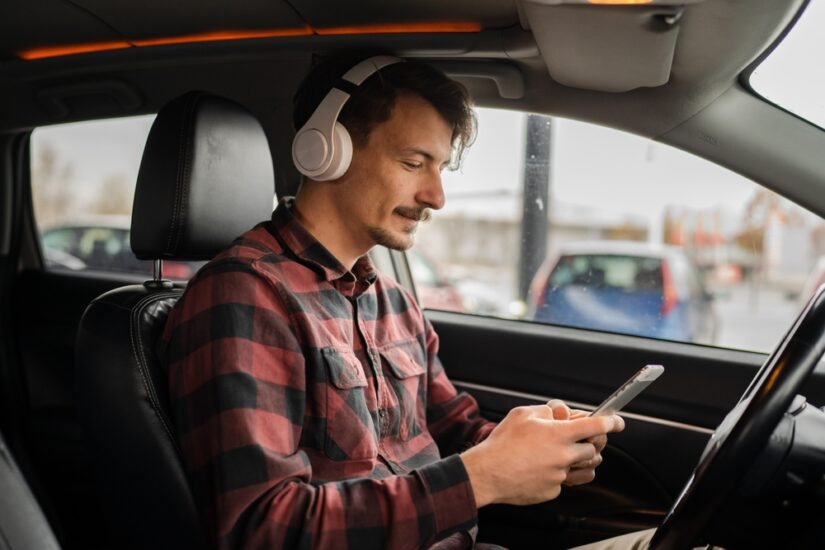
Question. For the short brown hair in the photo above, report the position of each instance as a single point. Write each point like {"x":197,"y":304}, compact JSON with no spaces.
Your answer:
{"x":373,"y":101}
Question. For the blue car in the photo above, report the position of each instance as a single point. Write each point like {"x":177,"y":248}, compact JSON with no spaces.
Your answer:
{"x":627,"y":287}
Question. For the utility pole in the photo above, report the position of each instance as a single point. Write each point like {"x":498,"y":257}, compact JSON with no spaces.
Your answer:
{"x":536,"y":192}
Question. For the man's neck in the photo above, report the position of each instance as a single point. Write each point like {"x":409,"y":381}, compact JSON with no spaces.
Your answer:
{"x":319,"y":215}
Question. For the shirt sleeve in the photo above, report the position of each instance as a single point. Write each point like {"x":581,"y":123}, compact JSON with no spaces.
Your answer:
{"x":454,"y":418}
{"x":238,"y":391}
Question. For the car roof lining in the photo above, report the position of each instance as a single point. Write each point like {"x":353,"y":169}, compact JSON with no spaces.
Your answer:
{"x":761,"y":142}
{"x":717,"y":40}
{"x":45,"y":23}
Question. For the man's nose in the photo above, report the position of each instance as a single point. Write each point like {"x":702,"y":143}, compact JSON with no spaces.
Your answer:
{"x":432,"y":192}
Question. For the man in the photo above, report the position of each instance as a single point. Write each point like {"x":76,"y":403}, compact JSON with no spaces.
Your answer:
{"x":310,"y":404}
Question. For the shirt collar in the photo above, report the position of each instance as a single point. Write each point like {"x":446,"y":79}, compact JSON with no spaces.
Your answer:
{"x":294,"y":237}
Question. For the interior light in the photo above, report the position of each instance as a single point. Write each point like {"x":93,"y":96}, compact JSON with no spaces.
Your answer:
{"x":401,"y":28}
{"x":218,"y":36}
{"x":71,"y":49}
{"x":619,"y":2}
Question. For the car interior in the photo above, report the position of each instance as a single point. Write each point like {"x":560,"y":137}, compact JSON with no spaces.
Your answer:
{"x":722,"y":450}
{"x":116,"y":366}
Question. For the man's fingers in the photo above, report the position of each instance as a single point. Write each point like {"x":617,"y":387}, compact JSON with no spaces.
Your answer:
{"x":584,"y":428}
{"x":580,"y":477}
{"x":598,"y":441}
{"x":590,"y":463}
{"x":560,"y":410}
{"x":582,"y":453}
{"x":618,"y":427}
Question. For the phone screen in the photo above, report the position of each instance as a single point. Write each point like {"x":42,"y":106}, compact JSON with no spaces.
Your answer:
{"x":630,"y":389}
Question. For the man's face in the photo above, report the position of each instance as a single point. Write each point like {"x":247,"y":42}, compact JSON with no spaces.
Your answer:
{"x":395,"y":178}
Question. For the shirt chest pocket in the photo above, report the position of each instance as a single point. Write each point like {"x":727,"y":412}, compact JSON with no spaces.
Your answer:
{"x":350,"y":434}
{"x":407,"y":379}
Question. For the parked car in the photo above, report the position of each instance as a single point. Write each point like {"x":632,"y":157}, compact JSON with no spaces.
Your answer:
{"x":434,"y":290}
{"x":57,"y":259}
{"x":103,"y":245}
{"x":626,"y":287}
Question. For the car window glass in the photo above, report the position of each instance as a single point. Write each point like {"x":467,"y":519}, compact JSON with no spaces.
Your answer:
{"x":788,"y":76}
{"x":422,"y":270}
{"x":83,"y":181}
{"x":621,"y":235}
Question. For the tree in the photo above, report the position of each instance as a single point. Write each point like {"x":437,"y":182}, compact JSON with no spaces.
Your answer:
{"x":763,"y":206}
{"x":115,"y":196}
{"x":52,"y":193}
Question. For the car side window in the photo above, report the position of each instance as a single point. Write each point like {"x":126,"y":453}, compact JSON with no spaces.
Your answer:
{"x":83,"y":181}
{"x":561,"y":222}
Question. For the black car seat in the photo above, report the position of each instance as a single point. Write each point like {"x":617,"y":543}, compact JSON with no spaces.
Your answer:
{"x":22,"y":524}
{"x":205,"y":178}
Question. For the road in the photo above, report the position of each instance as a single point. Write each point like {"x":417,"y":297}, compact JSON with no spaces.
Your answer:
{"x":754,"y":319}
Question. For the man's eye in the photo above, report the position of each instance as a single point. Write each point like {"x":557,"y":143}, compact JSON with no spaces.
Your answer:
{"x":411,"y":165}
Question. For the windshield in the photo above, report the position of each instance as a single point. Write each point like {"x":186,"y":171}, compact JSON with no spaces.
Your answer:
{"x":789,"y":76}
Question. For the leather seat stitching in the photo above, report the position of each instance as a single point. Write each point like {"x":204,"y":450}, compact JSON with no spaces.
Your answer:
{"x":181,"y":177}
{"x":140,"y":359}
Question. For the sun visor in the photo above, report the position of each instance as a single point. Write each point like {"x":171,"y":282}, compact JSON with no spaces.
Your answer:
{"x":608,"y":48}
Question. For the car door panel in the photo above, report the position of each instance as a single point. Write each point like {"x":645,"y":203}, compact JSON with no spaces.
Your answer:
{"x":48,"y":306}
{"x":633,"y":488}
{"x":665,"y":470}
{"x":699,"y":386}
{"x":504,"y":364}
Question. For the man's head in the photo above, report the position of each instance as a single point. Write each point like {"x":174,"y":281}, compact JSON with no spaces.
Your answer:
{"x":371,"y":103}
{"x":407,"y":122}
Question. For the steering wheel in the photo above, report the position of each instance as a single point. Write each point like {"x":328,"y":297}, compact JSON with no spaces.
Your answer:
{"x":745,"y":430}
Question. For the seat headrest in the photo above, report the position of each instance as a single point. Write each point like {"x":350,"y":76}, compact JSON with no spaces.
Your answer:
{"x":205,"y":178}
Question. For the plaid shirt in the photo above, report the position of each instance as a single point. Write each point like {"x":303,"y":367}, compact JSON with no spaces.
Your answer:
{"x":310,"y":405}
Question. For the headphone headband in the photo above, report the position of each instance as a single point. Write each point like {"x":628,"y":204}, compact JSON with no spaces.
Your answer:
{"x":322,"y":148}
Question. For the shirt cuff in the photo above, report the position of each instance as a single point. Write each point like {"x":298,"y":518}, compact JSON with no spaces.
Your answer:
{"x":453,"y":501}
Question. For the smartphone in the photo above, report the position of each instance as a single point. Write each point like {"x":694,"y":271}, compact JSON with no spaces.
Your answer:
{"x":630,"y":389}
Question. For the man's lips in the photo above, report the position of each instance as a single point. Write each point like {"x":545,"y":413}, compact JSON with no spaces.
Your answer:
{"x":414,"y":214}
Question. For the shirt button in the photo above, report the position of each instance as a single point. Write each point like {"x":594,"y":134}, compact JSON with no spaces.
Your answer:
{"x":382,"y":422}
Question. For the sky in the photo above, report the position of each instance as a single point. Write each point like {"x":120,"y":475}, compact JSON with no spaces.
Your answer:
{"x":792,"y":75}
{"x":593,"y":169}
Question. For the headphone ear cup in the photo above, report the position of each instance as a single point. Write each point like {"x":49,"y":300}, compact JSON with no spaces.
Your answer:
{"x":341,"y":153}
{"x":310,"y":151}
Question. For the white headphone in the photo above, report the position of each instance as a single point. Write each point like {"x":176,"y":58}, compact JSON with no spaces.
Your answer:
{"x":322,"y":148}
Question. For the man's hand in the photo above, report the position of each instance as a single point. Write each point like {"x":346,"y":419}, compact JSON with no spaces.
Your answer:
{"x":530,"y":453}
{"x":584,"y":471}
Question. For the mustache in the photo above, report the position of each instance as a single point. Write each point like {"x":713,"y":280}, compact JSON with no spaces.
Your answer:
{"x":419,"y":214}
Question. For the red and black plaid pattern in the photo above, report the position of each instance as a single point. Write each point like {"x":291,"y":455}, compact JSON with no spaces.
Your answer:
{"x":311,"y":408}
